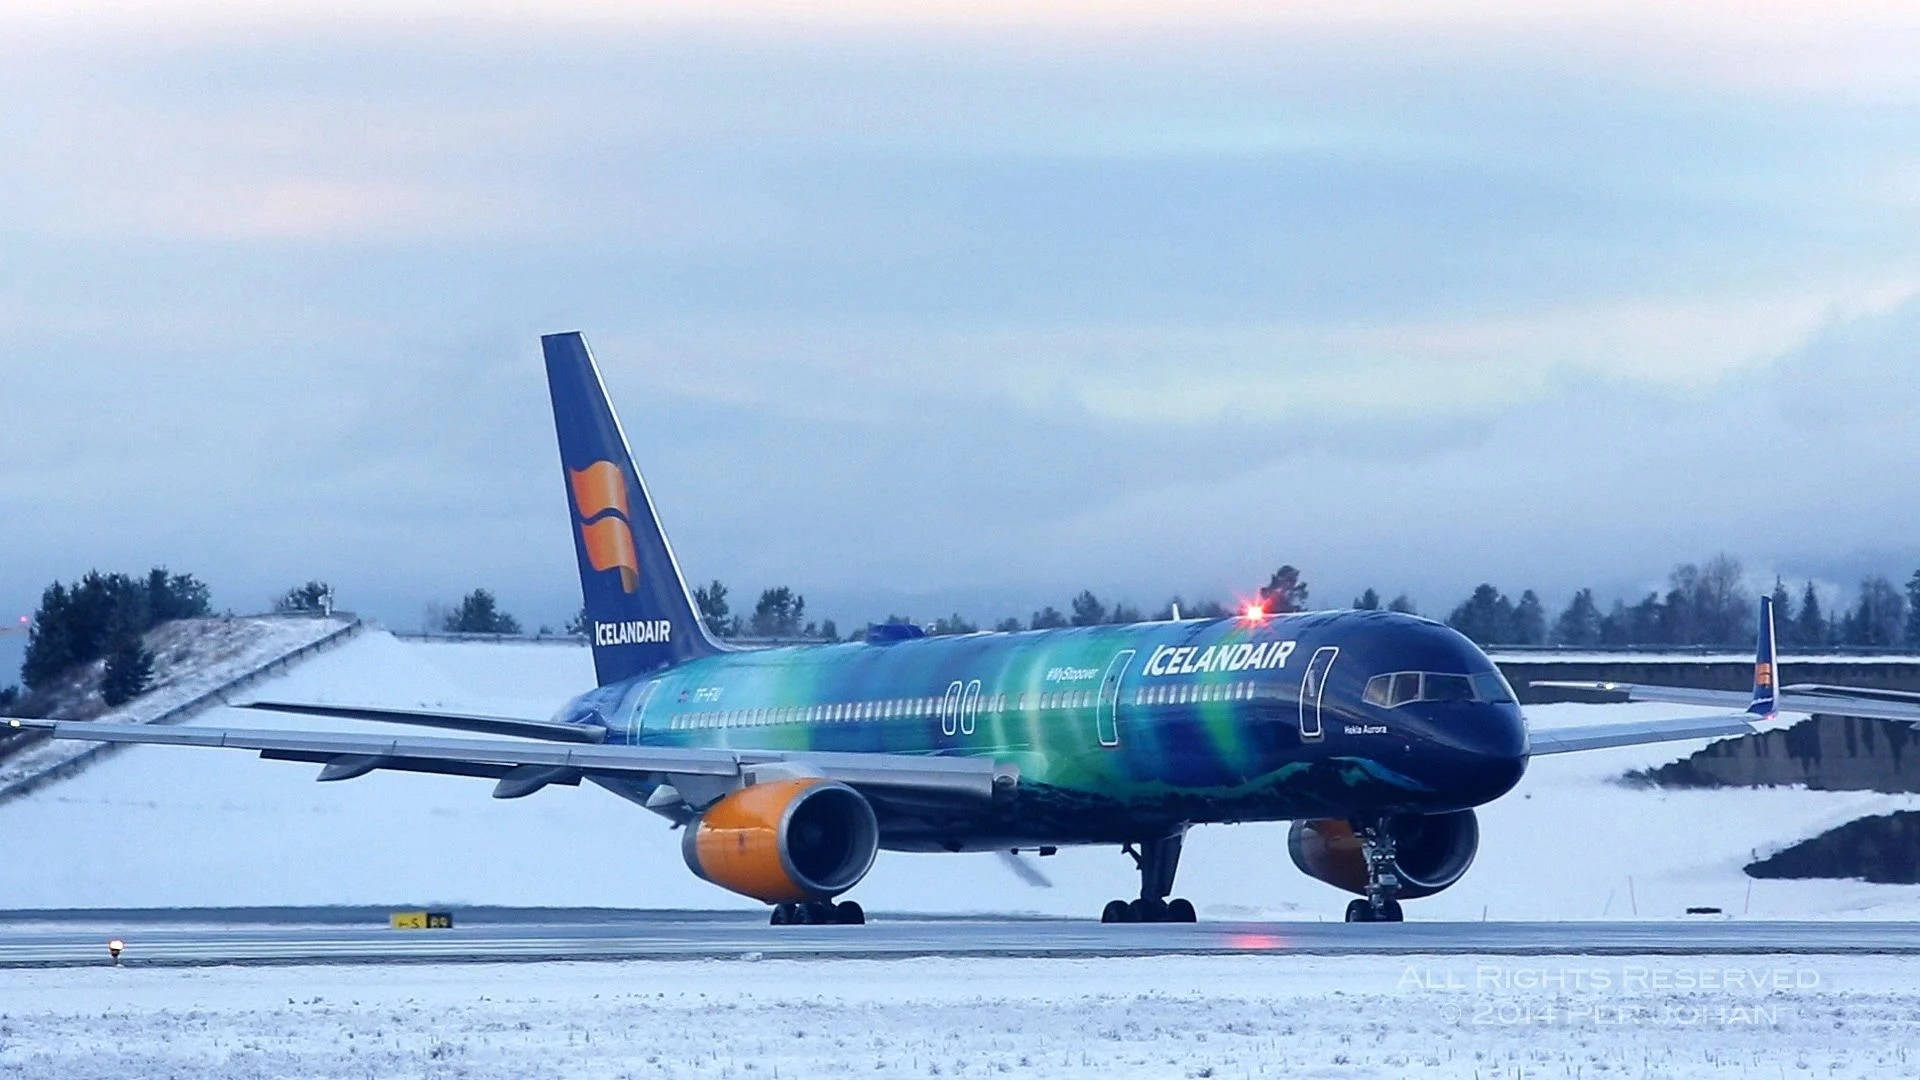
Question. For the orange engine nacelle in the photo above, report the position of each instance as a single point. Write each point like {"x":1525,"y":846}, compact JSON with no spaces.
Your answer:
{"x":785,"y":841}
{"x":1431,"y":852}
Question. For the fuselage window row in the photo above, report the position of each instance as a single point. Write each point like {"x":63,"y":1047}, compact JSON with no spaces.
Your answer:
{"x":927,"y":707}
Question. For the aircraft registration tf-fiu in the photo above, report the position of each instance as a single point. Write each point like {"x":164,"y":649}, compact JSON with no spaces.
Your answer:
{"x":1375,"y":733}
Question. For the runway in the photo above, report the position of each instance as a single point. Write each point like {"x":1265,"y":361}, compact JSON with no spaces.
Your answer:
{"x":361,"y":936}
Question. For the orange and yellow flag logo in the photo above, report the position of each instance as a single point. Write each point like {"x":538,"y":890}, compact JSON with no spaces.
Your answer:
{"x":600,"y":500}
{"x":1763,"y":674}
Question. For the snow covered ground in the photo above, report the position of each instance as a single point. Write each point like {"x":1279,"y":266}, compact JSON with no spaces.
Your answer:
{"x":1838,"y":1018}
{"x":169,"y":826}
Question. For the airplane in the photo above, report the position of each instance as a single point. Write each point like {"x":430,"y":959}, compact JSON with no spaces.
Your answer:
{"x":1375,"y":733}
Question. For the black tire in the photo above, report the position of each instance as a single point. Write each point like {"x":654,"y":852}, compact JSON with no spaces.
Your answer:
{"x":782,"y":915}
{"x":1359,"y":911}
{"x":848,"y":913}
{"x":1390,"y":912}
{"x":1181,"y":911}
{"x":1116,"y":911}
{"x":1148,"y":911}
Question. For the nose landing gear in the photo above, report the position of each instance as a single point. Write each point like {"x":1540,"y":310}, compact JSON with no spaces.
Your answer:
{"x":1383,"y":883}
{"x":1157,"y":861}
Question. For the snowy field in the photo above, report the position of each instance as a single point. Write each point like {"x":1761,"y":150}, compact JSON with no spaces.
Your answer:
{"x":1165,"y":1017}
{"x":170,"y":826}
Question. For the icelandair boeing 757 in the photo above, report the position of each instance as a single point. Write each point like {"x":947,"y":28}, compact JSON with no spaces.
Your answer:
{"x":789,"y":769}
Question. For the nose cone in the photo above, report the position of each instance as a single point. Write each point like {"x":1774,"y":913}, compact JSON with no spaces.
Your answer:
{"x":1496,"y":751}
{"x":1476,"y":752}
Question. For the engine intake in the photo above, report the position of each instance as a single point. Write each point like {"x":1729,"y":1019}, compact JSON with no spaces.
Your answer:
{"x":785,"y":841}
{"x":1431,"y":851}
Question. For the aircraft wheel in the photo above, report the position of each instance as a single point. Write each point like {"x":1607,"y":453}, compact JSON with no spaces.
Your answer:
{"x":1116,"y":911}
{"x":1390,"y":912}
{"x":782,"y":915}
{"x":1180,"y":911}
{"x":1145,"y":910}
{"x":848,"y":913}
{"x":1359,"y":911}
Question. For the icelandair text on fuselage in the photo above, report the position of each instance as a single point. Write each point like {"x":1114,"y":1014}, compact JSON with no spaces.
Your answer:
{"x":645,"y":632}
{"x":1246,"y":656}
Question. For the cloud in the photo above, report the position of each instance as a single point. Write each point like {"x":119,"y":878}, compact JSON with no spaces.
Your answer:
{"x":1002,"y":298}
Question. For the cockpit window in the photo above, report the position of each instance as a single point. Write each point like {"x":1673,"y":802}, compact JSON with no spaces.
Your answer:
{"x":1403,"y":687}
{"x":1492,"y":686}
{"x":1406,"y":687}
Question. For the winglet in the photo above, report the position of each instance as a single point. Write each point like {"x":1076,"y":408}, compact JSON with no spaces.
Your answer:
{"x":1766,"y":669}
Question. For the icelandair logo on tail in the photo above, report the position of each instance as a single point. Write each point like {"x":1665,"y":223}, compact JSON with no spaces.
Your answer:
{"x":644,"y":632}
{"x":600,"y":500}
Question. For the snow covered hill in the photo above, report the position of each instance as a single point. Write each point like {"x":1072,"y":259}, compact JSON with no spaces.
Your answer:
{"x":168,"y":826}
{"x":195,"y":661}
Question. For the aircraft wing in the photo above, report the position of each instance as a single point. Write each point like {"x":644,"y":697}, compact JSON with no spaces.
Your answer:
{"x":523,"y":767}
{"x":486,"y":725}
{"x":1566,"y":740}
{"x":1837,"y":701}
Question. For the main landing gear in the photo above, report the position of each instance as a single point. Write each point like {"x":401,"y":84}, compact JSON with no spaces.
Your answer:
{"x":820,"y":913}
{"x":1157,"y":860}
{"x":1376,"y":843}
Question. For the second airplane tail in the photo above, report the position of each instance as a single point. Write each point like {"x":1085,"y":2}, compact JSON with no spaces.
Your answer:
{"x":640,"y":616}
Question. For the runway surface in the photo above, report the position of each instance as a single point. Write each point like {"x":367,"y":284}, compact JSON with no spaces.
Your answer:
{"x":296,"y":936}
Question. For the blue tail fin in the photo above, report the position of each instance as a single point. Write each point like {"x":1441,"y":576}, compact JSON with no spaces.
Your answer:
{"x":640,"y":616}
{"x":1766,"y":665}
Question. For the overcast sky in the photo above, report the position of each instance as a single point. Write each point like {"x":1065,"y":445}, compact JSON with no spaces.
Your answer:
{"x":968,"y":307}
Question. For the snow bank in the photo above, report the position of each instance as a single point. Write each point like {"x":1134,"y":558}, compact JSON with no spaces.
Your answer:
{"x":1842,"y":1018}
{"x":172,"y":826}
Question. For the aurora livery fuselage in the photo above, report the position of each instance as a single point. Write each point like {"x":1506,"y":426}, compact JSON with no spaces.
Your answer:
{"x":1117,"y":732}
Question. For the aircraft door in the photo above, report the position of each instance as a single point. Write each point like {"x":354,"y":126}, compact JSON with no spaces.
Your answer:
{"x":1107,"y":708}
{"x":1313,"y":686}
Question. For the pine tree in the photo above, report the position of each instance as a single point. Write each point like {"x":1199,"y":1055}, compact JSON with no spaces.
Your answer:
{"x":712,"y":602}
{"x":1403,"y":604}
{"x":1529,"y":620}
{"x":1284,"y":592}
{"x":1367,"y":601}
{"x":1047,"y":618}
{"x":479,"y":613}
{"x":1811,"y":630}
{"x":1580,"y":623}
{"x":1783,"y":626}
{"x":129,"y":670}
{"x":778,"y":613}
{"x":1088,"y":610}
{"x":954,"y":624}
{"x":1125,"y":613}
{"x":313,"y":598}
{"x":1486,"y":617}
{"x":1913,"y":609}
{"x":1009,"y":625}
{"x":9,"y":697}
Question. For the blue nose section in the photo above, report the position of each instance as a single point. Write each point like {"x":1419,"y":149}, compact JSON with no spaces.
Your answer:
{"x":1474,"y":753}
